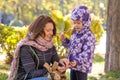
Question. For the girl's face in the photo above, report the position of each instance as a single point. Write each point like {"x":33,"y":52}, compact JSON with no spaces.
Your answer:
{"x":77,"y":25}
{"x":48,"y":30}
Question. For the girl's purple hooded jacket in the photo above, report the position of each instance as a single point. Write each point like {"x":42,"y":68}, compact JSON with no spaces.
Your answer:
{"x":82,"y":43}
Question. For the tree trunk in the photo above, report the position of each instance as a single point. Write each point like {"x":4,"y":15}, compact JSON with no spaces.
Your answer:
{"x":112,"y":57}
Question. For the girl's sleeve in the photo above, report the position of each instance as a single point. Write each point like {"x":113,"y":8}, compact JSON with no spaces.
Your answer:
{"x":65,"y":43}
{"x":85,"y":58}
{"x":29,"y":64}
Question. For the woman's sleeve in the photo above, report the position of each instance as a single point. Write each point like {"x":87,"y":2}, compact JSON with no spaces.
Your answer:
{"x":65,"y":43}
{"x":29,"y":64}
{"x":85,"y":58}
{"x":54,"y":55}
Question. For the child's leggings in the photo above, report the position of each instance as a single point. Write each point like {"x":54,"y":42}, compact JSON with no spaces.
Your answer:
{"x":76,"y":75}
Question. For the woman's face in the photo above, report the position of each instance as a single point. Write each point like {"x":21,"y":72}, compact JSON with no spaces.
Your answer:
{"x":48,"y":30}
{"x":77,"y":25}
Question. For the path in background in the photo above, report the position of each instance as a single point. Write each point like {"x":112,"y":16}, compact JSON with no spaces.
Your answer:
{"x":101,"y":47}
{"x":98,"y":68}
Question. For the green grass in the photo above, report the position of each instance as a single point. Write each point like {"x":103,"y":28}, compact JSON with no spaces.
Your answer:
{"x":92,"y":78}
{"x":113,"y":75}
{"x":68,"y":74}
{"x":4,"y":69}
{"x":3,"y":76}
{"x":98,"y":58}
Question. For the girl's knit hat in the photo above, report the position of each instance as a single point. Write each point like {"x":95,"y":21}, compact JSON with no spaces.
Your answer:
{"x":82,"y":13}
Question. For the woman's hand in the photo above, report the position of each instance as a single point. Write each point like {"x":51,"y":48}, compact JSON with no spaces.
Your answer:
{"x":64,"y":62}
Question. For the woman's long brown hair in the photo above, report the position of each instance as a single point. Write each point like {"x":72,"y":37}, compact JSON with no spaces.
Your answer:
{"x":36,"y":28}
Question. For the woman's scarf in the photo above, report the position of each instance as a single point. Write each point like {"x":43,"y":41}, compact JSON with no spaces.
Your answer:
{"x":39,"y":43}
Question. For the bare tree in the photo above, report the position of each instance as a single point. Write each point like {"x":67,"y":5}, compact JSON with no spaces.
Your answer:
{"x":112,"y":57}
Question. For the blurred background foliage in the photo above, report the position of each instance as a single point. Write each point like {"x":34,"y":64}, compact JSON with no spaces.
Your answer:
{"x":27,"y":10}
{"x":9,"y":37}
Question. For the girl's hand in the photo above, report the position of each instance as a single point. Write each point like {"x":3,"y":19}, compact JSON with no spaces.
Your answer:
{"x":64,"y":62}
{"x":62,"y":37}
{"x":72,"y":64}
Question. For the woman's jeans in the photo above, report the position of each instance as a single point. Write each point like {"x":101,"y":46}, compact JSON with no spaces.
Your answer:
{"x":40,"y":78}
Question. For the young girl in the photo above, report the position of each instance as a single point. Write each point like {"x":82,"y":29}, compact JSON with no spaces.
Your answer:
{"x":81,"y":44}
{"x":34,"y":51}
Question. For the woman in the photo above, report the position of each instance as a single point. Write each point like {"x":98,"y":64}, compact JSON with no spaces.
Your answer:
{"x":34,"y":51}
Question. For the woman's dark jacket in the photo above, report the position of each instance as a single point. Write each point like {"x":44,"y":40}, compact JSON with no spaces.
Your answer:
{"x":28,"y":62}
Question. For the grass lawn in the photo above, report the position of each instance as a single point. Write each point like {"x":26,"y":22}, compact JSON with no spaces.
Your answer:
{"x":4,"y":70}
